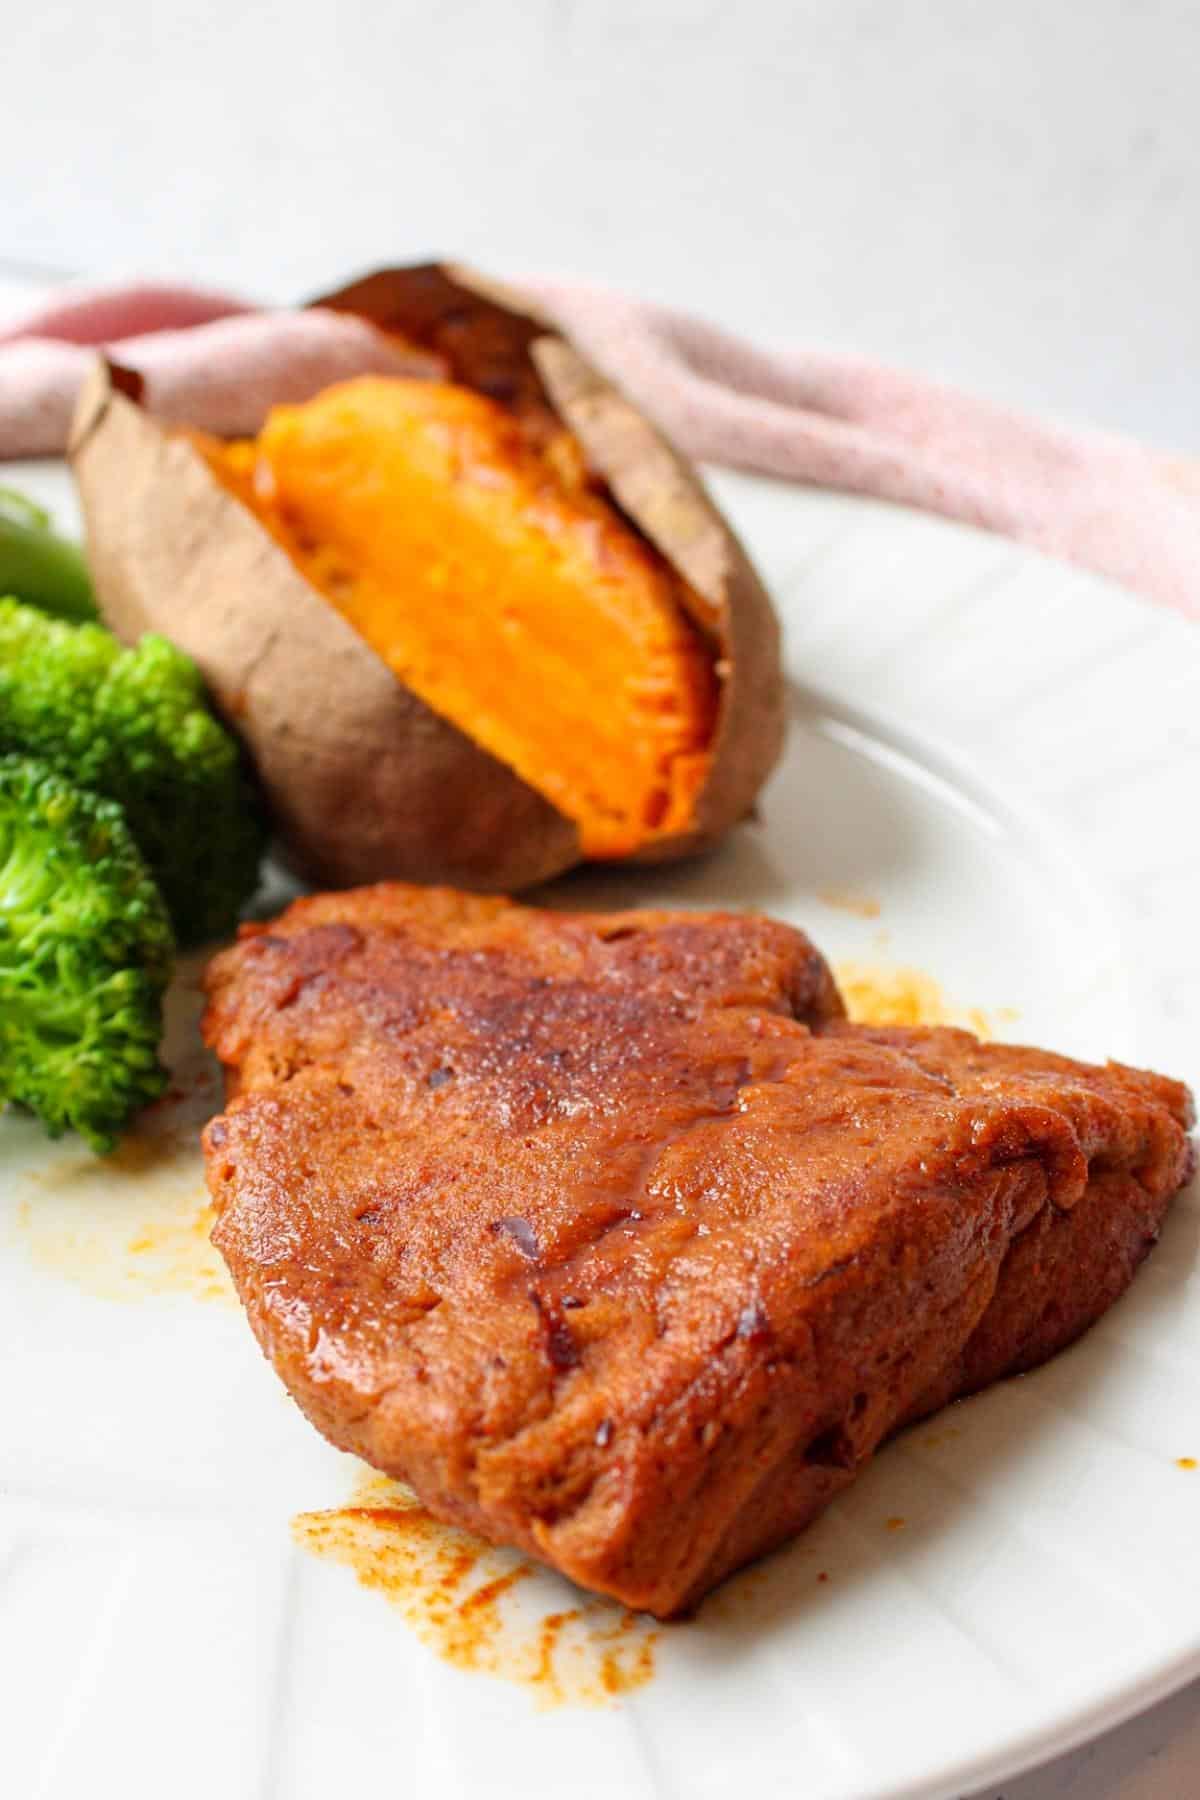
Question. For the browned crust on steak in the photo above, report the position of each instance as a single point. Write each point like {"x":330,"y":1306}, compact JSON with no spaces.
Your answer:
{"x":608,"y":1233}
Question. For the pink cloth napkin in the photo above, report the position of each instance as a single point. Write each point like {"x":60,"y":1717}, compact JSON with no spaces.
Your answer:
{"x":1091,"y":497}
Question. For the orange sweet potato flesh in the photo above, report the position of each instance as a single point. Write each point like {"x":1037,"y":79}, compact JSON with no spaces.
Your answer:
{"x":502,"y":588}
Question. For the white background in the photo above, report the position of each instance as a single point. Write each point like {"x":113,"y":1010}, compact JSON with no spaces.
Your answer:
{"x":1004,"y":194}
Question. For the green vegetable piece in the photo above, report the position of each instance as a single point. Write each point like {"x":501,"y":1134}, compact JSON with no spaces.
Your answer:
{"x":133,"y":725}
{"x":85,"y":955}
{"x":22,"y":510}
{"x":39,"y":566}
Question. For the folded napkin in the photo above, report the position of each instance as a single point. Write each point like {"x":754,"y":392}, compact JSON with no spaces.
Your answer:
{"x":1091,"y":497}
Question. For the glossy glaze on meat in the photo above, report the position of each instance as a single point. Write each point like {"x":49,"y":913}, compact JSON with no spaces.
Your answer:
{"x":614,"y":1239}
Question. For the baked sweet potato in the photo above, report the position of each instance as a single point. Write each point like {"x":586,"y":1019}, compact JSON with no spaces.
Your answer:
{"x":472,"y":629}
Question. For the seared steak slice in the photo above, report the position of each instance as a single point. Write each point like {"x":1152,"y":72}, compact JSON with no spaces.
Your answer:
{"x":609,"y":1235}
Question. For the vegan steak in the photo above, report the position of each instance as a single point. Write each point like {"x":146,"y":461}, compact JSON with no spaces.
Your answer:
{"x":611,"y":1236}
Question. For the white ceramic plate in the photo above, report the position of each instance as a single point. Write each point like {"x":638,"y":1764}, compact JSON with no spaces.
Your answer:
{"x":1004,"y":757}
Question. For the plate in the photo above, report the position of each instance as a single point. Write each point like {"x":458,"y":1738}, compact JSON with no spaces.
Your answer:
{"x":991,"y":777}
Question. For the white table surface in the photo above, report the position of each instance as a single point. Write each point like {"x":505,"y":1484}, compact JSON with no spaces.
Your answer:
{"x":1006,"y":196}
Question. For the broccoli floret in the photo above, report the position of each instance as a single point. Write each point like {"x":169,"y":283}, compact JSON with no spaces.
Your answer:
{"x":85,"y":955}
{"x":133,"y":726}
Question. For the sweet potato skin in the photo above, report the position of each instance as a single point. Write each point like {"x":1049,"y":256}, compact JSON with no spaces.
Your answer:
{"x":365,"y":781}
{"x":533,"y":619}
{"x":489,"y":340}
{"x":660,"y":490}
{"x":360,"y":776}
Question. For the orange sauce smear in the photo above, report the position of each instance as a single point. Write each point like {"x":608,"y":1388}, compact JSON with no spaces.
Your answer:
{"x":945,"y":1434}
{"x":847,"y":900}
{"x":487,"y":1610}
{"x":122,"y":1240}
{"x":881,"y":994}
{"x":134,"y":1224}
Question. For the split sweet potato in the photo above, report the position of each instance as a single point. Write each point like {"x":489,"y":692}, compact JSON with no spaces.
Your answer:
{"x":474,"y":628}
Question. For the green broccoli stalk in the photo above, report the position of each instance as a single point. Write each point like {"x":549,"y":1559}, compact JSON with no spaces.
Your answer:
{"x":85,"y":955}
{"x":39,"y":566}
{"x":133,"y":725}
